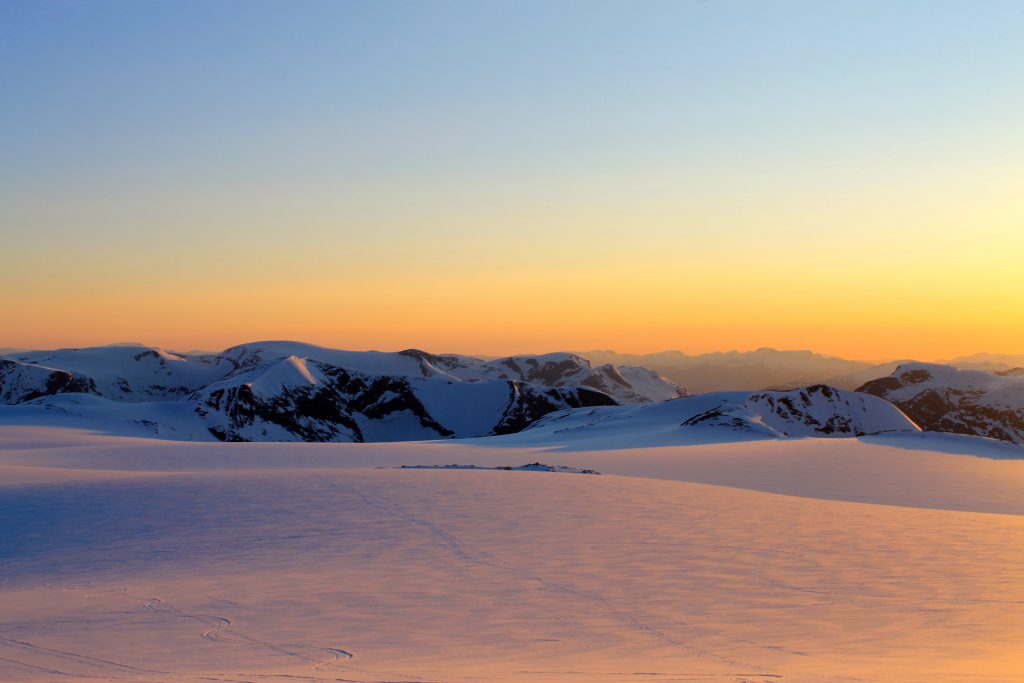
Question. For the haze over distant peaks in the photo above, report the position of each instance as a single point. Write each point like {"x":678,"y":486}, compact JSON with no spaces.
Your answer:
{"x":742,"y":370}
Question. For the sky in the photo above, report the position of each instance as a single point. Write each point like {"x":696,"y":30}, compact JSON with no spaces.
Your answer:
{"x":509,"y":177}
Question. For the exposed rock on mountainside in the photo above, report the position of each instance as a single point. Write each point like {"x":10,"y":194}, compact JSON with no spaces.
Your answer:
{"x":553,"y":370}
{"x":129,"y":373}
{"x":816,"y":411}
{"x":287,"y":391}
{"x":20,"y":382}
{"x":627,"y":384}
{"x":296,"y":399}
{"x":943,"y":399}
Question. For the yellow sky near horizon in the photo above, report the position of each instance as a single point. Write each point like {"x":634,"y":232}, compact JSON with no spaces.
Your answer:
{"x":933,"y":291}
{"x":846,"y":178}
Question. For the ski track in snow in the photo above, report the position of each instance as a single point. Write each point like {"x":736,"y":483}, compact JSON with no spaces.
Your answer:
{"x":72,"y":657}
{"x":218,"y":625}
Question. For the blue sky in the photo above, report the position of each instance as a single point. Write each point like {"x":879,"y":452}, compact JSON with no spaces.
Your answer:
{"x":404,"y":132}
{"x":384,"y":87}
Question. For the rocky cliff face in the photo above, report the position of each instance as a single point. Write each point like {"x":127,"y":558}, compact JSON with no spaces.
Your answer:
{"x":20,"y":382}
{"x":301,"y":400}
{"x":943,"y":399}
{"x":814,"y":411}
{"x":262,"y":392}
{"x":817,"y":410}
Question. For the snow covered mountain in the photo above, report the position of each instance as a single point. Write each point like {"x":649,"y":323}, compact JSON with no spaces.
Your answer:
{"x":815,"y":411}
{"x":140,"y":373}
{"x":625,"y":384}
{"x":300,"y":399}
{"x":20,"y":382}
{"x":741,"y":370}
{"x":944,"y":399}
{"x":129,"y":373}
{"x":288,"y":391}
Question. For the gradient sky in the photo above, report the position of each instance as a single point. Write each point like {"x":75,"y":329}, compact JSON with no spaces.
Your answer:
{"x":498,"y":177}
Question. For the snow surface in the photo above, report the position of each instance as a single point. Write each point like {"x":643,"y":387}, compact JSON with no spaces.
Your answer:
{"x":888,"y":558}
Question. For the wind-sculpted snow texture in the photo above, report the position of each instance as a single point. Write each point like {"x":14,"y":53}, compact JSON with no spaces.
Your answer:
{"x":943,"y":399}
{"x":148,"y":561}
{"x":288,"y":391}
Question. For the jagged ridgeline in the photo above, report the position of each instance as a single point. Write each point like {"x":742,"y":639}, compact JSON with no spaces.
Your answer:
{"x":942,"y":398}
{"x":288,"y":391}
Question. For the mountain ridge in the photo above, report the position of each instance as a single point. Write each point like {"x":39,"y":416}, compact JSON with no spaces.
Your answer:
{"x":283,"y":391}
{"x":947,"y":399}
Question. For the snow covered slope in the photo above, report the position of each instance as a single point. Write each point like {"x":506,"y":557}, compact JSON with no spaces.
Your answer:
{"x":141,"y":373}
{"x":943,"y":399}
{"x":129,"y":373}
{"x":20,"y":382}
{"x":296,"y":399}
{"x":146,"y":561}
{"x":339,"y":396}
{"x":818,"y":411}
{"x":290,"y":391}
{"x":624,"y":384}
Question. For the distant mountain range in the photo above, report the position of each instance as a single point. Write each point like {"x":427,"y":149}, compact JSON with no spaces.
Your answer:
{"x":290,"y":391}
{"x":768,"y":368}
{"x":287,"y":391}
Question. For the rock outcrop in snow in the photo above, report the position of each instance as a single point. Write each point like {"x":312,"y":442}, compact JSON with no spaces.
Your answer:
{"x":941,"y":398}
{"x":129,"y":373}
{"x":288,"y":391}
{"x":815,"y":411}
{"x":20,"y":382}
{"x":302,"y":400}
{"x":625,"y":384}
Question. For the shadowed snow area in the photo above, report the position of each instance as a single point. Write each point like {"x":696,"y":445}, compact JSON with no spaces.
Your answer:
{"x":143,"y":560}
